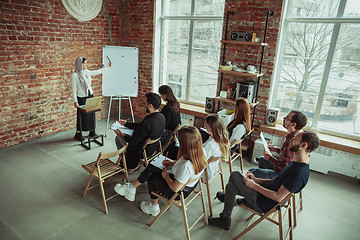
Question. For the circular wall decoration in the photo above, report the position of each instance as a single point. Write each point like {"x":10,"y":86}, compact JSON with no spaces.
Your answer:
{"x":83,"y":10}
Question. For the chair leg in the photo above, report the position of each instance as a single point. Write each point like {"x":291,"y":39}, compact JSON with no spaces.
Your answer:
{"x":290,"y":222}
{"x":87,"y":185}
{"x":301,"y":200}
{"x":166,"y":207}
{"x":103,"y":195}
{"x":294,"y":209}
{"x":280,"y":224}
{"x":241,"y":161}
{"x":203,"y":205}
{"x":230,"y":166}
{"x":183,"y":208}
{"x":222,"y":178}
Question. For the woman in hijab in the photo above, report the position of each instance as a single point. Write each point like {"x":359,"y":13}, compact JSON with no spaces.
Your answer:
{"x":81,"y":90}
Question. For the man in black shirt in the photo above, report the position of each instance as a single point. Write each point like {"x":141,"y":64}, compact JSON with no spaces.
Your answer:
{"x":152,"y":126}
{"x":264,"y":194}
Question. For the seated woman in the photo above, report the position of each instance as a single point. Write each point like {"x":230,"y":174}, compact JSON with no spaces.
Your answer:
{"x":171,"y":111}
{"x":217,"y":144}
{"x":190,"y":165}
{"x":240,"y":126}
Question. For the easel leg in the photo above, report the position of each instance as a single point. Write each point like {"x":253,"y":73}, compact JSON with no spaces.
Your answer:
{"x":132,"y":113}
{"x":108,"y":117}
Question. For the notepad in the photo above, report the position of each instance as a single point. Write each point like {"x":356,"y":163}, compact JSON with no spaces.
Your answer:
{"x":116,"y":125}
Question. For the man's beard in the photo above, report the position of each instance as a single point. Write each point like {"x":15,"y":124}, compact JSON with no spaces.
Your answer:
{"x":294,"y":148}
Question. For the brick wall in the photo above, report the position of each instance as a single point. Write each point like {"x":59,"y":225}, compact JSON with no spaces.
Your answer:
{"x":39,"y":44}
{"x":40,"y":41}
{"x":250,"y":16}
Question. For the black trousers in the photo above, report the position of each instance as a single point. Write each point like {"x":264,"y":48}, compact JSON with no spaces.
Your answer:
{"x":87,"y":119}
{"x":156,"y":182}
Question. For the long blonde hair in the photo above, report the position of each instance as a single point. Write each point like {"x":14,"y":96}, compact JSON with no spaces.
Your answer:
{"x":219,"y":133}
{"x":191,"y":148}
{"x":242,"y":113}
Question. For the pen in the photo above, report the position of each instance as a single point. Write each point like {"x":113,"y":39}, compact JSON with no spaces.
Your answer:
{"x":165,"y":157}
{"x":108,"y":58}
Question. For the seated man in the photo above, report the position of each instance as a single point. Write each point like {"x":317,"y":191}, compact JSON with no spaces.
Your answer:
{"x":269,"y":166}
{"x":152,"y":126}
{"x":264,"y":194}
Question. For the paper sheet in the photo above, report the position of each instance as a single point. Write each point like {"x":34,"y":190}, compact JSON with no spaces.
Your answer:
{"x":264,"y":143}
{"x":157,"y":162}
{"x":116,"y":125}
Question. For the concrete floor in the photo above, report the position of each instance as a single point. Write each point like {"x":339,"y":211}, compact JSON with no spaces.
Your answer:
{"x":42,"y":180}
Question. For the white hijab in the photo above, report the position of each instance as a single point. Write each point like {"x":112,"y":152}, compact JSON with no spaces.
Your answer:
{"x":84,"y":76}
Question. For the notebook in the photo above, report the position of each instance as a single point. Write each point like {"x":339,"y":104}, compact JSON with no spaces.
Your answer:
{"x":92,"y":104}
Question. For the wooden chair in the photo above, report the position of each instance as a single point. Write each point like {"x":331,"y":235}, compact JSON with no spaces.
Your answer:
{"x":103,"y":169}
{"x":234,"y":155}
{"x":146,"y":159}
{"x":183,"y":205}
{"x":172,"y":137}
{"x":297,"y":205}
{"x":208,"y":181}
{"x":275,"y":215}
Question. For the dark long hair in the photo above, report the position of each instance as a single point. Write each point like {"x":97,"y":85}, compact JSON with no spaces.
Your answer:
{"x":170,"y":97}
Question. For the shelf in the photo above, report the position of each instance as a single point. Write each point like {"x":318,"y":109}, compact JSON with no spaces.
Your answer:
{"x":244,"y":43}
{"x":232,"y":101}
{"x":245,"y":74}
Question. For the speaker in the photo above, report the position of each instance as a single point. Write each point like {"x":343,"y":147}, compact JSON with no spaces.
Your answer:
{"x":271,"y":118}
{"x":209,"y":105}
{"x":246,"y":90}
{"x":241,"y":36}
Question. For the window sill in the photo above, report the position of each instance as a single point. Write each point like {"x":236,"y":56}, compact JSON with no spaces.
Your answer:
{"x":193,"y":110}
{"x":329,"y":141}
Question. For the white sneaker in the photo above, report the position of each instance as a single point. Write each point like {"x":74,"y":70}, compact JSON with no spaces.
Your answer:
{"x":126,"y":191}
{"x":148,"y":208}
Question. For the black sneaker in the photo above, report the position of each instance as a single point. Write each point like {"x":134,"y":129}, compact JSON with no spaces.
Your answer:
{"x":220,"y":196}
{"x":220,"y":222}
{"x":78,"y":137}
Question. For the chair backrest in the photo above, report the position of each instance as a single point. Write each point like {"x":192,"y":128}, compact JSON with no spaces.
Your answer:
{"x":213,"y":159}
{"x":112,"y":154}
{"x":149,"y":142}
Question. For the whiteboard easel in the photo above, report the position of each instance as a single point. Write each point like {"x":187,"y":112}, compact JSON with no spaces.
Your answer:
{"x":118,"y":98}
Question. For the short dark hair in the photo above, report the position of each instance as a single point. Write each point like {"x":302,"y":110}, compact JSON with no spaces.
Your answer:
{"x":153,"y":99}
{"x":311,"y":139}
{"x":299,"y":118}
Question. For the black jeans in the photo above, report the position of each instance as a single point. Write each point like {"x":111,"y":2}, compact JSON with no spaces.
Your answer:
{"x":156,"y":183}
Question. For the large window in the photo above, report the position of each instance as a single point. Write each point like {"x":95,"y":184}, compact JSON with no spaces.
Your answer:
{"x":318,"y":65}
{"x":190,"y":47}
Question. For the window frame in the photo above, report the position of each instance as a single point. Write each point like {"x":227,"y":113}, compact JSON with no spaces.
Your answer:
{"x":160,"y":19}
{"x":337,"y":21}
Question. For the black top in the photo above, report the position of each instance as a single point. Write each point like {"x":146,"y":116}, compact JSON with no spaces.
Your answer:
{"x":152,"y":126}
{"x":171,"y":116}
{"x":294,"y":177}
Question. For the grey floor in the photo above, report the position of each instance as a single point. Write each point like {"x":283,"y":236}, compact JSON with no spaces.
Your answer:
{"x":42,"y":180}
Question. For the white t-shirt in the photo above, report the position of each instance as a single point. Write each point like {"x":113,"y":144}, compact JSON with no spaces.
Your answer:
{"x":238,"y":132}
{"x":212,"y":149}
{"x":183,"y":171}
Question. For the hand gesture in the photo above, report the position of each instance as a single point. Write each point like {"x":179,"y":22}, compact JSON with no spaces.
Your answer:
{"x":119,"y":132}
{"x":249,"y":182}
{"x":110,"y":64}
{"x":76,"y":104}
{"x":167,"y":163}
{"x":122,"y":122}
{"x":250,"y":175}
{"x":267,"y":156}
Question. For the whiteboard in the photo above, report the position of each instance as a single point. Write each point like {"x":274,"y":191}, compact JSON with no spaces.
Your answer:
{"x":122,"y":78}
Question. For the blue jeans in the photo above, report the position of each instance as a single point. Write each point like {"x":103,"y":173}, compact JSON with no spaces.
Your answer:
{"x":266,"y":169}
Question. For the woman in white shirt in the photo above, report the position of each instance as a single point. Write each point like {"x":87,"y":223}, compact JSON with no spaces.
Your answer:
{"x":81,"y":90}
{"x":217,"y":145}
{"x":240,"y":126}
{"x":189,"y":166}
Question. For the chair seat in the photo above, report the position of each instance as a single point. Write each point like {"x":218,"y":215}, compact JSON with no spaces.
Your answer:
{"x":108,"y":168}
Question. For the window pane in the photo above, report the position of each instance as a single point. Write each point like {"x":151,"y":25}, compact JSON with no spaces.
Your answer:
{"x":340,"y":110}
{"x":177,"y":7}
{"x":352,"y":8}
{"x":314,"y":8}
{"x":175,"y":55}
{"x":209,"y":7}
{"x":302,"y":69}
{"x":205,"y":60}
